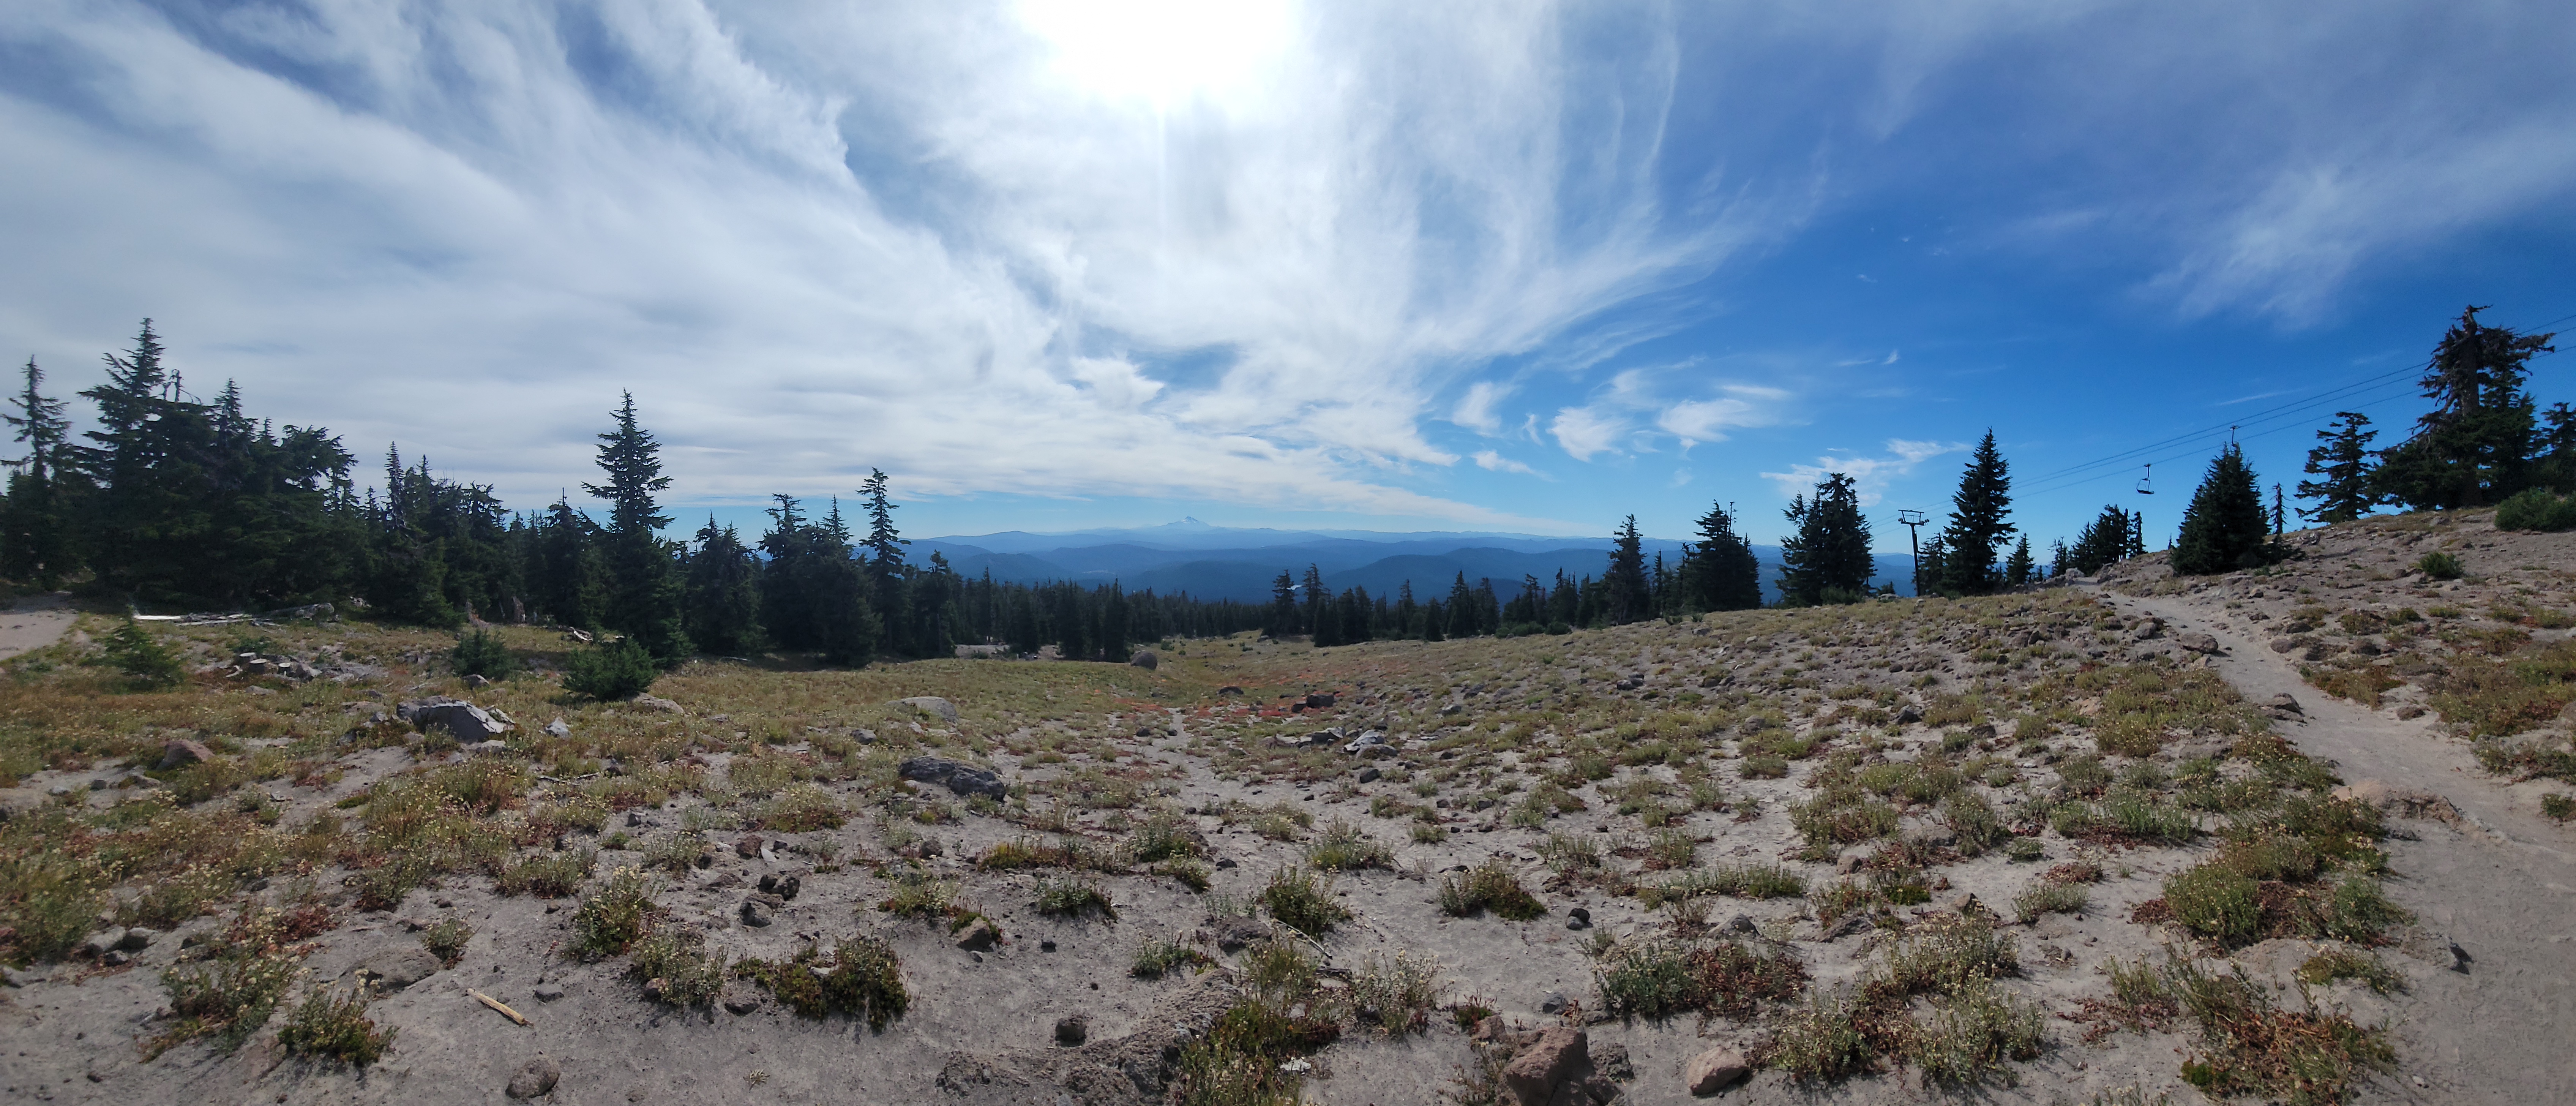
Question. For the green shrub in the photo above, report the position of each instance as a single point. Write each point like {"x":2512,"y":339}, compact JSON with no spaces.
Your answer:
{"x":2050,"y":898}
{"x":918,"y":896}
{"x":2250,"y":1047}
{"x":481,"y":653}
{"x":1161,"y":955}
{"x":2558,"y":807}
{"x":551,"y":876}
{"x":1646,"y":979}
{"x":801,"y":808}
{"x":2536,"y":509}
{"x":618,"y":670}
{"x":2334,"y":964}
{"x":864,"y":979}
{"x":332,"y":1027}
{"x":1342,"y":847}
{"x":676,"y":967}
{"x":1488,"y":886}
{"x":228,"y":999}
{"x":1164,"y":836}
{"x":2440,"y":566}
{"x":1303,"y":901}
{"x":613,"y":917}
{"x":1401,"y":990}
{"x":2216,"y":902}
{"x":1820,"y":1042}
{"x":1972,"y":1032}
{"x":2024,"y":850}
{"x":1071,"y":898}
{"x":142,"y":657}
{"x":1945,"y":955}
{"x":1973,"y":819}
{"x":446,"y":939}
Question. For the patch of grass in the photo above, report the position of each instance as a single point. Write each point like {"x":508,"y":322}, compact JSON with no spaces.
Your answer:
{"x":1835,"y":818}
{"x":1488,"y":886}
{"x":2345,"y":963}
{"x":1160,"y":956}
{"x":2048,"y":897}
{"x":1342,"y":847}
{"x":2250,"y":1047}
{"x":800,"y":808}
{"x":227,"y":999}
{"x":1818,"y":1042}
{"x":862,"y":978}
{"x":2439,"y":566}
{"x":1238,"y":1061}
{"x":1398,"y":992}
{"x":330,"y":1026}
{"x":1069,"y":898}
{"x":1974,"y":821}
{"x":614,"y":916}
{"x":1570,"y":853}
{"x":916,"y":895}
{"x":1165,"y":836}
{"x":551,"y":876}
{"x":1974,"y":1030}
{"x":1671,"y":849}
{"x":2215,"y":901}
{"x":676,"y":967}
{"x":2025,"y":850}
{"x":2558,"y":807}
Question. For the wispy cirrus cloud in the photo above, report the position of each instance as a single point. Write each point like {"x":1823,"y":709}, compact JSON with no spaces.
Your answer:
{"x":1870,"y":475}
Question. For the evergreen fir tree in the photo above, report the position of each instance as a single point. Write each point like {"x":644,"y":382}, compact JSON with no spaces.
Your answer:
{"x":2103,"y":541}
{"x":2475,"y":446}
{"x":1318,"y":601}
{"x":723,"y":610}
{"x":35,"y":538}
{"x":2224,"y":529}
{"x":1828,"y":558}
{"x":1283,"y":606}
{"x":567,"y":579}
{"x":2019,"y":570}
{"x":1629,"y":594}
{"x":1462,"y":610}
{"x":1977,"y":529}
{"x":887,"y":570}
{"x":2348,"y":489}
{"x":1719,"y":572}
{"x":645,"y":592}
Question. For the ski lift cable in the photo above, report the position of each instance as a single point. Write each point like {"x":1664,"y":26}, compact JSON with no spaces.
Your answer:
{"x":2330,"y":395}
{"x":2197,"y":450}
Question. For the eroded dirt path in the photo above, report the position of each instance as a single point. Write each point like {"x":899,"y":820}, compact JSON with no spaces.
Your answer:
{"x":2501,"y":884}
{"x":34,"y":623}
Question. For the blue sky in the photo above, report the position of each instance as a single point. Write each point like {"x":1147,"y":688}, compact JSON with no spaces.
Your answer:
{"x":1423,"y":266}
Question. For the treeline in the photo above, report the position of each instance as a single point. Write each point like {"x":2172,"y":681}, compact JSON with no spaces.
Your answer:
{"x":2484,"y":441}
{"x":173,"y":500}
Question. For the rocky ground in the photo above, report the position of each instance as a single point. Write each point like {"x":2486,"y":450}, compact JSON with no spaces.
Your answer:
{"x":2267,"y":835}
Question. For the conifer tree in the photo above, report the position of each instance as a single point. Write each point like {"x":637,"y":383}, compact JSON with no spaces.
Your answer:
{"x":1629,"y":596}
{"x":567,"y":579}
{"x":2224,"y":529}
{"x":1719,"y":572}
{"x":1462,"y":610}
{"x":723,"y":609}
{"x":35,"y":538}
{"x":1283,"y":606}
{"x":1318,"y":603}
{"x":645,"y":591}
{"x":1977,"y":529}
{"x":887,"y":570}
{"x":2475,"y":446}
{"x":2348,"y":489}
{"x":1828,"y":558}
{"x":2019,"y":570}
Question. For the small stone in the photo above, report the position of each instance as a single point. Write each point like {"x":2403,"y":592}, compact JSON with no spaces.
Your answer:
{"x":115,"y":958}
{"x":557,"y":728}
{"x":136,"y":939}
{"x":1908,"y":714}
{"x":1555,"y":1002}
{"x":749,"y":848}
{"x":400,"y":966}
{"x":1741,"y":923}
{"x":979,"y":937}
{"x":1713,"y":1071}
{"x":1599,"y":1088}
{"x":1369,"y":775}
{"x":535,"y":1079}
{"x":933,"y":705}
{"x":1611,"y":1060}
{"x":1071,"y":1032}
{"x":655,"y":702}
{"x":1047,"y":945}
{"x":99,"y":944}
{"x":2287,"y":702}
{"x":1578,"y":918}
{"x":754,"y":913}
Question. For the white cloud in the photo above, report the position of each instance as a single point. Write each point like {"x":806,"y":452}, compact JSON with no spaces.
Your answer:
{"x":1496,"y":462}
{"x":1630,"y":409}
{"x":1476,"y":408}
{"x":1583,"y":431}
{"x":1870,"y":475}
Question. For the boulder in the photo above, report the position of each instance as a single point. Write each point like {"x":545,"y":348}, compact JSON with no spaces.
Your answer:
{"x":979,"y":937}
{"x":1369,"y":739}
{"x":400,"y":966}
{"x":2197,"y":642}
{"x":755,"y":913}
{"x":2286,"y":702}
{"x":557,"y":728}
{"x":1536,"y":1070}
{"x":469,"y":724}
{"x":962,"y":778}
{"x":534,"y":1079}
{"x":1146,"y":660}
{"x":1236,"y":932}
{"x":944,"y":710}
{"x":1930,"y":835}
{"x":1073,"y":1031}
{"x":1321,"y":700}
{"x":1714,"y":1070}
{"x":1908,"y":714}
{"x":750,"y":847}
{"x":101,"y":943}
{"x":183,"y":752}
{"x":655,"y":702}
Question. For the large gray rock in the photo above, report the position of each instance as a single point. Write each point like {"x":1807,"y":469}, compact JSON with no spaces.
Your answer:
{"x":932,"y":705}
{"x":534,"y":1079}
{"x":1534,"y":1073}
{"x":1714,"y":1070}
{"x":184,"y":752}
{"x":469,"y":724}
{"x":957,"y":776}
{"x":1145,"y":659}
{"x":400,"y":966}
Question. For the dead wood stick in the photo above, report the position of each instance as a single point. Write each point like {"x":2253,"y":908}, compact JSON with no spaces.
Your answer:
{"x":498,"y":1006}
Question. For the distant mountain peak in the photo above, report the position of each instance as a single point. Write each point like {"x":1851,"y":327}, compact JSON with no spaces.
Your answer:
{"x":1186,"y":523}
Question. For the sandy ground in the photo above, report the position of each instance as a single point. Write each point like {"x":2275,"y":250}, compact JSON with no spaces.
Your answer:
{"x":34,"y":623}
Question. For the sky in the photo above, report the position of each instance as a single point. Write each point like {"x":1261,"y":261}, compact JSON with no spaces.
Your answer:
{"x":1425,"y":266}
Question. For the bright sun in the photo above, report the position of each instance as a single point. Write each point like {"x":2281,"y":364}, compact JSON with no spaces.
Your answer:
{"x":1162,"y":51}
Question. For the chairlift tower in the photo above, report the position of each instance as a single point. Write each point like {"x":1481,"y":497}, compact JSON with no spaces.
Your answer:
{"x":1911,"y":520}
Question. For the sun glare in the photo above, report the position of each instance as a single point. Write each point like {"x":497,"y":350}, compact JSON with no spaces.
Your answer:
{"x":1162,"y":51}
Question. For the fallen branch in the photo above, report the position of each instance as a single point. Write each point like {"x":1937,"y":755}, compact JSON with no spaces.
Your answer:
{"x":498,"y":1006}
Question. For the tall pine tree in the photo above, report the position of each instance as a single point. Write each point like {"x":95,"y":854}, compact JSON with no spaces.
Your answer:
{"x":1719,"y":572}
{"x":2224,"y":529}
{"x":1631,"y":598}
{"x":722,"y":613}
{"x":1977,"y":529}
{"x":2475,"y":446}
{"x":1827,"y":560}
{"x":645,"y":591}
{"x":35,"y":534}
{"x":2348,"y":488}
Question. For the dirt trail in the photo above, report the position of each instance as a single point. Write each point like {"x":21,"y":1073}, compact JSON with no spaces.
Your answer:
{"x":2502,"y":885}
{"x":34,"y":623}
